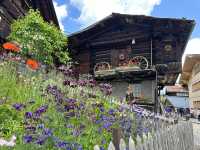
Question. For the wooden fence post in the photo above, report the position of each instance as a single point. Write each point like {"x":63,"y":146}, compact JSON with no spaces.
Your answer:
{"x":117,"y":136}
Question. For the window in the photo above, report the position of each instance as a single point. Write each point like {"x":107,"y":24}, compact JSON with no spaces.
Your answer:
{"x":137,"y":90}
{"x":196,"y":104}
{"x":182,"y":94}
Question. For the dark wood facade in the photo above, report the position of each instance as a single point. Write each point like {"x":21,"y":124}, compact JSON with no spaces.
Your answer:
{"x":160,"y":40}
{"x":13,"y":9}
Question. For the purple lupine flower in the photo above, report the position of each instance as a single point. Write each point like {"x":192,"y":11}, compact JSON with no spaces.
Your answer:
{"x":111,"y":111}
{"x":61,"y":144}
{"x":69,"y":126}
{"x":69,"y":148}
{"x":82,"y":82}
{"x":41,"y":140}
{"x":28,"y":115}
{"x":18,"y":107}
{"x":47,"y":132}
{"x":103,"y":117}
{"x":30,"y":128}
{"x":146,"y":130}
{"x":28,"y":138}
{"x":101,"y":148}
{"x":106,"y":88}
{"x":91,"y":83}
{"x":76,"y":132}
{"x":103,"y":141}
{"x":52,"y":90}
{"x":106,"y":125}
{"x":70,"y":114}
{"x":112,"y":119}
{"x":41,"y":110}
{"x":66,"y":82}
{"x":101,"y":109}
{"x":98,"y":121}
{"x":81,"y":106}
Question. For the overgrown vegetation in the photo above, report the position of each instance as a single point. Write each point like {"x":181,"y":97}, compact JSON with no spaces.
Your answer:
{"x":51,"y":111}
{"x":39,"y":40}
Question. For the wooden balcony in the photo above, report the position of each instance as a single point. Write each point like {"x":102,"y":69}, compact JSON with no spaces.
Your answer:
{"x":128,"y":74}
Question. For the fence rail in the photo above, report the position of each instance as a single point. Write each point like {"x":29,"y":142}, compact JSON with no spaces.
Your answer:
{"x":175,"y":137}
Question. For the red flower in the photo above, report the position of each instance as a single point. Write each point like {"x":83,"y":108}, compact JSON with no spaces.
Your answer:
{"x":33,"y":64}
{"x":11,"y":46}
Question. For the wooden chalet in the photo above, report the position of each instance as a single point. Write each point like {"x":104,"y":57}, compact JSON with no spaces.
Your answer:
{"x":126,"y":49}
{"x":13,"y":9}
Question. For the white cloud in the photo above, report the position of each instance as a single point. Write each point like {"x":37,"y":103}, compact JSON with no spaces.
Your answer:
{"x":93,"y":10}
{"x":61,"y":12}
{"x":193,"y":47}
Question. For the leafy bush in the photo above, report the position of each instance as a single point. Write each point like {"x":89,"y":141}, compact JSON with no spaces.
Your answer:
{"x":39,"y":40}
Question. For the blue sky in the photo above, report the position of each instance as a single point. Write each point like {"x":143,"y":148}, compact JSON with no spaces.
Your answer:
{"x":76,"y":14}
{"x":189,"y":9}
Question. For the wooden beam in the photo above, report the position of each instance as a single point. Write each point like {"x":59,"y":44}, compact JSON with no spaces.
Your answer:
{"x":110,"y":42}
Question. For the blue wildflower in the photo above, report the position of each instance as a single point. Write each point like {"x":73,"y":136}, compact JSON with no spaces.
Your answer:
{"x":106,"y":125}
{"x":41,"y":140}
{"x":103,"y":141}
{"x":62,"y":144}
{"x":98,"y":121}
{"x":40,"y":126}
{"x":28,"y":114}
{"x":18,"y":106}
{"x":101,"y":109}
{"x":111,"y":111}
{"x":41,"y":110}
{"x":101,"y":148}
{"x":28,"y":138}
{"x":47,"y":132}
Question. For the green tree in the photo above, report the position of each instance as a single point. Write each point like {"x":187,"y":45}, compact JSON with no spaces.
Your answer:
{"x":40,"y":40}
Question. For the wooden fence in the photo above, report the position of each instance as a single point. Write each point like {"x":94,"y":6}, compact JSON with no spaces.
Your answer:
{"x":175,"y":137}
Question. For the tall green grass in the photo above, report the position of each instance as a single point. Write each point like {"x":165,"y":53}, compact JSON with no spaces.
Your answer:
{"x":22,"y":87}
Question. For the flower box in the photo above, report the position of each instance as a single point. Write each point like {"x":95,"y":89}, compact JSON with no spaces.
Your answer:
{"x":127,"y":68}
{"x":102,"y":73}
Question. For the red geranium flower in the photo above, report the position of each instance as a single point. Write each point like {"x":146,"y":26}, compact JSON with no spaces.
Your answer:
{"x":33,"y":64}
{"x":11,"y":46}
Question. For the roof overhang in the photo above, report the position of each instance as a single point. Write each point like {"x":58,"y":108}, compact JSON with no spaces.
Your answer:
{"x":190,"y":61}
{"x":183,"y":27}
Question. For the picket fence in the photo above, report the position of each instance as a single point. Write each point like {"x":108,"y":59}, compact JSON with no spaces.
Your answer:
{"x":175,"y":137}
